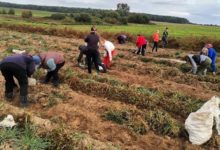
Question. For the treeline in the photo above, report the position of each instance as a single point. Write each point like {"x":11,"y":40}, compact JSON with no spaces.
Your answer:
{"x":99,"y":16}
{"x":168,"y":19}
{"x":9,"y":12}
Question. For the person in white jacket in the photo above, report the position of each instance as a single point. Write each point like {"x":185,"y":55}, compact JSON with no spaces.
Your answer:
{"x":109,"y":49}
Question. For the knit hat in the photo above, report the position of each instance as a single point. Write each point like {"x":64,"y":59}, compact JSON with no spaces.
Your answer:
{"x":36,"y":59}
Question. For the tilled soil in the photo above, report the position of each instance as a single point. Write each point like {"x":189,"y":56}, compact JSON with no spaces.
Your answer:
{"x":84,"y":112}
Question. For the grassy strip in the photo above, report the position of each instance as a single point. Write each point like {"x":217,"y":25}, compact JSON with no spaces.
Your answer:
{"x":141,"y":122}
{"x":140,"y":96}
{"x":24,"y":138}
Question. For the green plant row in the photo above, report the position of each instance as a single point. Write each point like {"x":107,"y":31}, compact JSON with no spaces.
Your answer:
{"x":141,"y":122}
{"x":140,"y":96}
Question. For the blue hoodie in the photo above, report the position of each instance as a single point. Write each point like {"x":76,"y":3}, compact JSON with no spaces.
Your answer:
{"x":24,"y":61}
{"x":212,"y":54}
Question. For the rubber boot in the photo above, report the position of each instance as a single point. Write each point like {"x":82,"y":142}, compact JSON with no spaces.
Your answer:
{"x":56,"y":83}
{"x":9,"y":96}
{"x":24,"y":101}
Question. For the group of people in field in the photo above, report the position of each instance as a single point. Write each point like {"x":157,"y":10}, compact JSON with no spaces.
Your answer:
{"x":141,"y":42}
{"x":22,"y":65}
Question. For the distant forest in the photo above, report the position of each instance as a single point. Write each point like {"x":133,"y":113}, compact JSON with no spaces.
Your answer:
{"x":121,"y":15}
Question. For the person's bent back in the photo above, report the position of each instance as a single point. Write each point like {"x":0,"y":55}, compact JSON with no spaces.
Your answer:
{"x":21,"y":67}
{"x":53,"y":62}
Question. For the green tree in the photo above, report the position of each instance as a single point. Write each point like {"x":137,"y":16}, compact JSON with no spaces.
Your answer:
{"x":4,"y":11}
{"x":138,"y":18}
{"x":123,"y":9}
{"x":83,"y":17}
{"x":26,"y":14}
{"x":123,"y":20}
{"x":58,"y":16}
{"x":11,"y":11}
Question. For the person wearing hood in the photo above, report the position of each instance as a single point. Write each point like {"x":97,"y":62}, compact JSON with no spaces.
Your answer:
{"x":53,"y":62}
{"x":20,"y":66}
{"x":141,"y":43}
{"x":212,"y":54}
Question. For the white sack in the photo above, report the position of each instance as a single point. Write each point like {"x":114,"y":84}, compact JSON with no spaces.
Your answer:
{"x":199,"y":124}
{"x":8,"y":122}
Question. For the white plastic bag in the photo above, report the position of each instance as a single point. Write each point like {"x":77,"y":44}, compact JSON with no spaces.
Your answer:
{"x":199,"y":124}
{"x":31,"y":82}
{"x":18,"y":51}
{"x":8,"y":122}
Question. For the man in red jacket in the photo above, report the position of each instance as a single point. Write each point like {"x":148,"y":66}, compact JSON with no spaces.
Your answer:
{"x":156,"y":38}
{"x":141,"y":43}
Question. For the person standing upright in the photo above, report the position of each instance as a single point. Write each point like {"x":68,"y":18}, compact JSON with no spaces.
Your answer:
{"x":141,"y":43}
{"x":92,"y":41}
{"x":165,"y":37}
{"x":156,"y":38}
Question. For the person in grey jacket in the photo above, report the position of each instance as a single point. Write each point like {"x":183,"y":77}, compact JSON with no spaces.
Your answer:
{"x":199,"y":63}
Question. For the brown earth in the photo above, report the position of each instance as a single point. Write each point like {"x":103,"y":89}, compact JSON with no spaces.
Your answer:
{"x":79,"y":111}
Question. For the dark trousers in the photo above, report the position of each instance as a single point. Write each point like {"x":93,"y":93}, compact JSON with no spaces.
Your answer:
{"x":164,"y":42}
{"x":93,"y":57}
{"x":142,"y":50}
{"x":8,"y":71}
{"x":155,"y":46}
{"x":80,"y":57}
{"x":54,"y":74}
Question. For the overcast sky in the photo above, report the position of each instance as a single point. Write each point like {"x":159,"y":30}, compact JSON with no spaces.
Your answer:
{"x":197,"y":11}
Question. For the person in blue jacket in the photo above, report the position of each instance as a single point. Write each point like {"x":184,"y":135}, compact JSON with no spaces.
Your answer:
{"x":212,"y":54}
{"x":21,"y":67}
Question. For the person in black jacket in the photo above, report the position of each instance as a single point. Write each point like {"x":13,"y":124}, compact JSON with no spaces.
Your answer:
{"x":82,"y":62}
{"x":21,"y":67}
{"x":92,"y":53}
{"x":165,"y":37}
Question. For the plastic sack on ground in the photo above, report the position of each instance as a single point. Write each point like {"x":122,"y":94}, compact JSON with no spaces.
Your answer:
{"x":31,"y":82}
{"x":199,"y":124}
{"x":18,"y":51}
{"x":8,"y":122}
